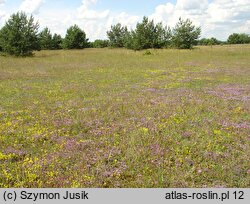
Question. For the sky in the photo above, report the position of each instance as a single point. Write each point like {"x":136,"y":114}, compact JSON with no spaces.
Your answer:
{"x":217,"y":18}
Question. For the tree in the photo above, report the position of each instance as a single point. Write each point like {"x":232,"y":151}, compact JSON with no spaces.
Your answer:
{"x":244,"y":38}
{"x":144,"y":35}
{"x":209,"y":41}
{"x":185,"y":34}
{"x":117,"y":35}
{"x":45,"y":39}
{"x":162,"y":36}
{"x":56,"y":42}
{"x":19,"y":36}
{"x":214,"y":41}
{"x":237,"y":38}
{"x":100,"y":43}
{"x":75,"y":38}
{"x":1,"y":49}
{"x":148,"y":35}
{"x":129,"y":40}
{"x":234,"y":38}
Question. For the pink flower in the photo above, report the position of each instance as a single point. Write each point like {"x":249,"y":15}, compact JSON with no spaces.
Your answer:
{"x":199,"y":171}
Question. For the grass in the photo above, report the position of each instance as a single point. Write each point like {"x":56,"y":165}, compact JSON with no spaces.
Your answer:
{"x":119,"y":118}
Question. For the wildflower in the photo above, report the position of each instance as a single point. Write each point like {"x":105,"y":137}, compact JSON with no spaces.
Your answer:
{"x":217,"y":132}
{"x":199,"y":171}
{"x":144,"y":130}
{"x":238,"y":110}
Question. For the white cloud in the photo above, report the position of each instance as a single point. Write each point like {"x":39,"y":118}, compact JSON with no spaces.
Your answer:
{"x":217,"y":18}
{"x":96,"y":23}
{"x":84,"y":12}
{"x":226,"y":11}
{"x":92,"y":15}
{"x":163,"y":12}
{"x":31,"y":6}
{"x":58,"y":21}
{"x":125,"y":19}
{"x":191,"y":4}
{"x":87,"y":3}
{"x":2,"y":12}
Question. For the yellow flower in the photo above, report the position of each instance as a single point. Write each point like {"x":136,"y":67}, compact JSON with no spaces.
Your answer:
{"x":51,"y":174}
{"x":217,"y":132}
{"x":6,"y":157}
{"x":144,"y":130}
{"x":238,"y":110}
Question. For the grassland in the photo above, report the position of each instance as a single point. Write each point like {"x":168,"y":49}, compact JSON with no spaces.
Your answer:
{"x":118,"y":118}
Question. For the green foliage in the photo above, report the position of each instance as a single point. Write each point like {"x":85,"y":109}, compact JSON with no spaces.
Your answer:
{"x":144,"y":35}
{"x":75,"y":38}
{"x":47,"y":42}
{"x":19,"y":36}
{"x":117,"y":35}
{"x":185,"y":34}
{"x":237,"y":38}
{"x":45,"y":39}
{"x":209,"y":41}
{"x":148,"y":35}
{"x":100,"y":43}
{"x":57,"y":42}
{"x":129,"y":40}
{"x":162,"y":36}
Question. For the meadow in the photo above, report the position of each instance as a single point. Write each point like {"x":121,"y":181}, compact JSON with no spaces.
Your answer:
{"x":119,"y":118}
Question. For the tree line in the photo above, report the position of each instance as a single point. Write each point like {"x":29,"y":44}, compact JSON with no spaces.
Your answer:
{"x":235,"y":38}
{"x":147,"y":35}
{"x":20,"y":36}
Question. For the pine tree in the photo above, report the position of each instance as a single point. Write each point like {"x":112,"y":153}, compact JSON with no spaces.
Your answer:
{"x":45,"y":39}
{"x":19,"y":36}
{"x":75,"y":38}
{"x":185,"y":34}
